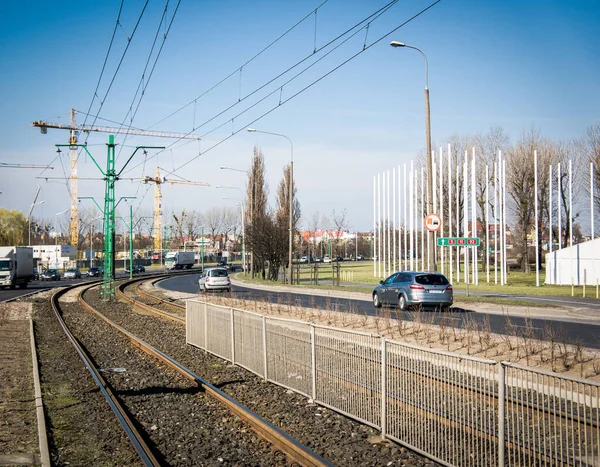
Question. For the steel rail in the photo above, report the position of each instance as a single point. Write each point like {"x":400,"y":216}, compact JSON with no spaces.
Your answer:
{"x":293,"y":449}
{"x":134,"y":435}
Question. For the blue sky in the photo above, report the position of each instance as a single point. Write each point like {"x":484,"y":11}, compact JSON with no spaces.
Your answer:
{"x":513,"y":64}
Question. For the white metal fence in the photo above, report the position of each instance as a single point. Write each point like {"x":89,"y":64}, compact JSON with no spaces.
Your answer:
{"x":455,"y":409}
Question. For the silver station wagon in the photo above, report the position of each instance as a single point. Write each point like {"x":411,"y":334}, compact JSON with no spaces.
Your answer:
{"x":406,"y":289}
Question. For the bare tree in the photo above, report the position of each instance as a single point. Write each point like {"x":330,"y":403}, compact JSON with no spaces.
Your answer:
{"x":213,"y":219}
{"x":521,"y":188}
{"x":340,"y":224}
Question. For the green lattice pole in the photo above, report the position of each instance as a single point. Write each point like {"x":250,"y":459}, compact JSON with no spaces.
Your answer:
{"x":111,"y":176}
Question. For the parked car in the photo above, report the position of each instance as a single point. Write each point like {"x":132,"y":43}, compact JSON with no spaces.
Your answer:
{"x":94,"y":272}
{"x":406,"y":289}
{"x":360,"y":257}
{"x":339,"y":258}
{"x":214,"y":279}
{"x":326,"y":259}
{"x":307,"y":259}
{"x":72,"y":273}
{"x":50,"y":275}
{"x":318,"y":259}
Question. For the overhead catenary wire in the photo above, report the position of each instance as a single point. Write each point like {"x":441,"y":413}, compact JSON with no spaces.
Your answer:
{"x":370,"y":18}
{"x":311,"y":84}
{"x":239,"y":69}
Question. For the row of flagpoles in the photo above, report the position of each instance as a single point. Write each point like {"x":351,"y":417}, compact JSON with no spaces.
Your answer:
{"x":399,"y":203}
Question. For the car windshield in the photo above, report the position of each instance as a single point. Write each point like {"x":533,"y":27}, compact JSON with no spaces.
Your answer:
{"x":431,"y":279}
{"x":51,"y":271}
{"x":5,"y":265}
{"x":218,"y":273}
{"x":71,"y":270}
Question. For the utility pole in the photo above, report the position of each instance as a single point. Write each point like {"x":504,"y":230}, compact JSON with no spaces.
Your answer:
{"x":111,"y":176}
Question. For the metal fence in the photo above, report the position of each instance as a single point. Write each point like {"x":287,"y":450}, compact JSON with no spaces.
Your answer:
{"x":457,"y":410}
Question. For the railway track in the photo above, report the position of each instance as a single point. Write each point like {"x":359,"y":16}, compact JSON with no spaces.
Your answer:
{"x":482,"y":425}
{"x":294,"y":451}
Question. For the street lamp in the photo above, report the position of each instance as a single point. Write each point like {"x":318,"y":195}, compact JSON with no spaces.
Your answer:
{"x":29,"y":218}
{"x":243,"y":223}
{"x":432,"y":265}
{"x":92,"y":239}
{"x":291,"y":195}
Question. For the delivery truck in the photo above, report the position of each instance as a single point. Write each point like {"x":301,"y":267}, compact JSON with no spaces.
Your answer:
{"x":16,"y":266}
{"x":179,"y":260}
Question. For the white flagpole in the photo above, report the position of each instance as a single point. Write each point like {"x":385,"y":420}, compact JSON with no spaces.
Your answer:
{"x":457,"y":217}
{"x":559,"y":206}
{"x":496,"y":223}
{"x":487,"y":222}
{"x":389,"y":238}
{"x":550,"y":211}
{"x":394,"y":232}
{"x":427,"y":203}
{"x":501,"y":216}
{"x":441,"y":196}
{"x":451,"y":250}
{"x":592,"y":198}
{"x":374,"y":225}
{"x":570,"y":202}
{"x":466,"y":212}
{"x":474,"y":218}
{"x":378,"y":225}
{"x":404,"y":188}
{"x":383,"y":226}
{"x":422,"y":223}
{"x":504,"y":221}
{"x":537,"y":238}
{"x":411,"y":213}
{"x":399,"y":225}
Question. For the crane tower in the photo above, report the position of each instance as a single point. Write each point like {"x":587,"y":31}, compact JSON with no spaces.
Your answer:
{"x":158,"y":181}
{"x":73,"y":138}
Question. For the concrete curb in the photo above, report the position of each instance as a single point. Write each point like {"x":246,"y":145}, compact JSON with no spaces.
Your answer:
{"x":39,"y":405}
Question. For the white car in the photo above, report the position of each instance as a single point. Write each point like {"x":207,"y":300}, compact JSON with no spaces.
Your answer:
{"x":214,"y":279}
{"x":326,"y":259}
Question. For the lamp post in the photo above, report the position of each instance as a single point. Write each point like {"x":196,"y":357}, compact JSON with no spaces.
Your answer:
{"x":29,"y":219}
{"x":291,"y":196}
{"x":56,"y":235}
{"x":243,"y":223}
{"x":430,"y":236}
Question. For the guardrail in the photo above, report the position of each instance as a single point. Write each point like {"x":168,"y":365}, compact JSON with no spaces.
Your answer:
{"x":455,"y":409}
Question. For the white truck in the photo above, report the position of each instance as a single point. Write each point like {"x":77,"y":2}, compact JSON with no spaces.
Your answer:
{"x":179,"y":260}
{"x":16,"y":266}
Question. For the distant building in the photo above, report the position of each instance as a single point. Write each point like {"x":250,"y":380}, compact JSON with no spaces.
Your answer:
{"x":54,"y":256}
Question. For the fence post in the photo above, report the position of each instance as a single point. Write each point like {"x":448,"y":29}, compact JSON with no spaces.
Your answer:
{"x":501,"y":435}
{"x":232,"y":337}
{"x":313,"y":344}
{"x":205,"y":325}
{"x":383,"y":385}
{"x":264,"y":336}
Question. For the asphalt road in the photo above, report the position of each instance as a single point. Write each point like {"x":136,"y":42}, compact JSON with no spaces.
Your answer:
{"x":588,"y":334}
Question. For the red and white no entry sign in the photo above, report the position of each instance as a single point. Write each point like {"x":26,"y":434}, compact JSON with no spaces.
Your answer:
{"x":433,"y":222}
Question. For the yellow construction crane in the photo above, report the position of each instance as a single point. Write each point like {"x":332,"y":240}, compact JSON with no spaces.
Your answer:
{"x":158,"y":181}
{"x":73,"y":138}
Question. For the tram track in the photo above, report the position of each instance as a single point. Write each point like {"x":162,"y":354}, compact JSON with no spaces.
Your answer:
{"x":294,"y":451}
{"x":482,"y":427}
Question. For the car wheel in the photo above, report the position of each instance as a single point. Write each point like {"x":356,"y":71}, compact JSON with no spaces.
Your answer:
{"x":376,"y":301}
{"x":402,"y":302}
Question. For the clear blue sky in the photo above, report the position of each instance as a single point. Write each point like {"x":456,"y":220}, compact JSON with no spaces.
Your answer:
{"x":514,"y":64}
